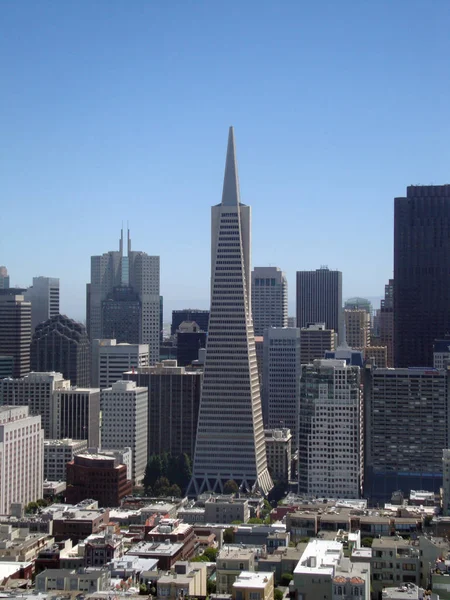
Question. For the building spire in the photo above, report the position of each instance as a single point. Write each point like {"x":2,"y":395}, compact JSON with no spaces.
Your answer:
{"x":230,"y":194}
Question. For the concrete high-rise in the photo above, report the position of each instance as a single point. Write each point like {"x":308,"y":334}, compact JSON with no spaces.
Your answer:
{"x":421,"y":273}
{"x":15,"y":332}
{"x":44,"y":298}
{"x":357,"y":327}
{"x":125,"y":285}
{"x":201,"y":317}
{"x":4,"y":278}
{"x":331,"y":430}
{"x":230,"y":436}
{"x":124,"y":422}
{"x":269,"y":298}
{"x":173,"y":404}
{"x":21,"y":457}
{"x":35,"y":390}
{"x":407,"y":427}
{"x":110,"y":360}
{"x":319,"y":299}
{"x":386,"y":322}
{"x":61,"y":344}
{"x":76,"y":415}
{"x":281,"y":379}
{"x":315,"y":340}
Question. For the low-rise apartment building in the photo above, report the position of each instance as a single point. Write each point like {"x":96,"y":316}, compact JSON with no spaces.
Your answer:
{"x":230,"y":562}
{"x":185,"y":580}
{"x":226,"y":509}
{"x":253,"y":586}
{"x":71,"y":580}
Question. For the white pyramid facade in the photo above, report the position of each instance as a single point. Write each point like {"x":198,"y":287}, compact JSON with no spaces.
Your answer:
{"x":230,"y":436}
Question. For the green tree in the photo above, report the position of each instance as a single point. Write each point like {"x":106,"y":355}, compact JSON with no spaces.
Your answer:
{"x":366,"y":542}
{"x":277,"y":594}
{"x":255,"y":521}
{"x":32,"y":507}
{"x":286,"y":578}
{"x":41,"y":502}
{"x":153,"y":471}
{"x":211,"y":554}
{"x":174,"y":490}
{"x":161,"y":487}
{"x":228,"y":536}
{"x":231,"y":487}
{"x":143,"y":590}
{"x":278,"y":491}
{"x":211,"y":587}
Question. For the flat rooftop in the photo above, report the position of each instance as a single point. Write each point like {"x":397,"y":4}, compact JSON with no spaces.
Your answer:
{"x":154,"y":549}
{"x":319,"y":557}
{"x":248,"y":579}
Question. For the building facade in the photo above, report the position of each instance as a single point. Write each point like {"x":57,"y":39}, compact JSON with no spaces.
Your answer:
{"x":315,"y":340}
{"x":61,"y":344}
{"x":319,"y":299}
{"x":421,"y":268}
{"x":201,"y":317}
{"x":15,"y":331}
{"x":35,"y":390}
{"x":441,"y":353}
{"x":279,"y":453}
{"x":44,"y":298}
{"x":407,"y":427}
{"x":230,"y":435}
{"x":21,"y":457}
{"x":269,"y":298}
{"x":4,"y":278}
{"x":57,"y":453}
{"x":190,"y":339}
{"x":76,"y":415}
{"x":110,"y":360}
{"x":386,"y":322}
{"x":124,"y":409}
{"x":281,"y":378}
{"x":139,"y":274}
{"x":173,"y":405}
{"x":331,"y":430}
{"x":357,"y":327}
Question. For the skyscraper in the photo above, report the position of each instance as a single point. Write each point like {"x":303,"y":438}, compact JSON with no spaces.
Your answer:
{"x":281,"y":379}
{"x":4,"y":278}
{"x":61,"y":344}
{"x":319,"y":299}
{"x":386,"y":322}
{"x":201,"y":317}
{"x":15,"y":332}
{"x":357,"y":327}
{"x":330,"y":430}
{"x":315,"y":340}
{"x":44,"y":298}
{"x":124,"y":289}
{"x":230,"y":437}
{"x":421,"y":273}
{"x":269,"y":298}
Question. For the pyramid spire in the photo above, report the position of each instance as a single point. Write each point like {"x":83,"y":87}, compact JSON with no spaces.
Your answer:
{"x":230,"y":194}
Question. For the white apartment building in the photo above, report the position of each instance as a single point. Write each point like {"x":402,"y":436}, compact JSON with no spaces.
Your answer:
{"x":57,"y":453}
{"x":110,"y":360}
{"x":124,"y":409}
{"x":76,"y":415}
{"x":35,"y":390}
{"x":269,"y":299}
{"x":21,"y":457}
{"x":279,"y":453}
{"x":281,"y":378}
{"x":330,"y":430}
{"x":44,"y":298}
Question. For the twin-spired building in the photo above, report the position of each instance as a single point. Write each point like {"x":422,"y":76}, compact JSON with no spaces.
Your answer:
{"x":230,"y":437}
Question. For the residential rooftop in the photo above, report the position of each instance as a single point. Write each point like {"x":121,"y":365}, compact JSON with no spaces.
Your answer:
{"x":251,"y":580}
{"x":319,"y":557}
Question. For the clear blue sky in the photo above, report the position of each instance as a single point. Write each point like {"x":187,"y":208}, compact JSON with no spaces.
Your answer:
{"x":119,"y":110}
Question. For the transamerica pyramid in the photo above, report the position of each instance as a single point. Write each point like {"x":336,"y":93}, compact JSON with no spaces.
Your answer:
{"x":230,"y":436}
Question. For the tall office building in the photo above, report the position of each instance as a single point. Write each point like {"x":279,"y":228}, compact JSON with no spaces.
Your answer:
{"x":358,"y":303}
{"x":173,"y":404}
{"x":15,"y":332}
{"x":110,"y":360}
{"x":357,"y":327}
{"x":315,"y":340}
{"x":190,"y":339}
{"x":281,"y":379}
{"x":407,"y":427}
{"x":441,"y":353}
{"x":201,"y":317}
{"x":61,"y":344}
{"x":35,"y":390}
{"x":4,"y":278}
{"x":124,"y":288}
{"x":331,"y":430}
{"x":21,"y":457}
{"x":44,"y":298}
{"x":269,"y":298}
{"x":76,"y":415}
{"x":386,"y":322}
{"x":421,"y":273}
{"x":124,"y":409}
{"x":230,"y":437}
{"x":319,"y":299}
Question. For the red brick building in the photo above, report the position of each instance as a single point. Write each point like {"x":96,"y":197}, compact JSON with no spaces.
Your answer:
{"x":99,"y":477}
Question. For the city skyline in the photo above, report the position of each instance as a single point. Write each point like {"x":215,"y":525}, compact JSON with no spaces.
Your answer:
{"x":83,"y":153}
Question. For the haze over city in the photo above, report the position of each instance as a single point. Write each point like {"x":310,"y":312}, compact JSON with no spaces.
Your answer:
{"x":118,"y":112}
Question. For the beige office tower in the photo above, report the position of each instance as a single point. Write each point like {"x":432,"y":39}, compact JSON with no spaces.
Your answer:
{"x":230,"y":436}
{"x":357,"y":327}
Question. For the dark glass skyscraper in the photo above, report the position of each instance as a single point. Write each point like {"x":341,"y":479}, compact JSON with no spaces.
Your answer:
{"x":421,"y":273}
